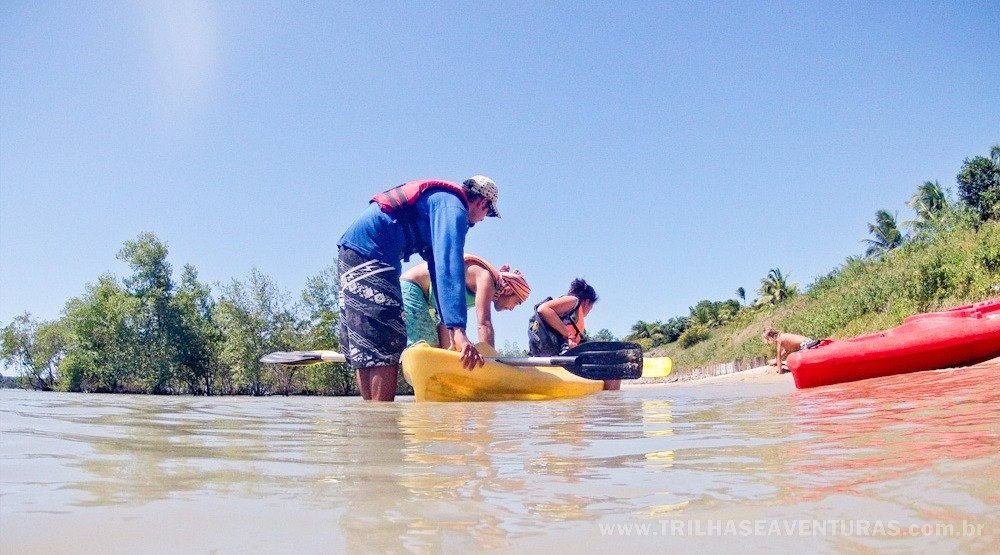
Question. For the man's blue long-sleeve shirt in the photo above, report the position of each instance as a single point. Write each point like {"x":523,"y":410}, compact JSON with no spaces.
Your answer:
{"x":442,"y":222}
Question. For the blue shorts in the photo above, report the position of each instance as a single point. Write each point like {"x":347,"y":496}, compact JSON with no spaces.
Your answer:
{"x":372,"y":332}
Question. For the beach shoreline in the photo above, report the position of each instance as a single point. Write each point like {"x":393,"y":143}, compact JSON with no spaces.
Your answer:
{"x":760,"y":374}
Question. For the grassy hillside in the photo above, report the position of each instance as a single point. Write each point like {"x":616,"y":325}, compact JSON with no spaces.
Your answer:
{"x":954,"y":267}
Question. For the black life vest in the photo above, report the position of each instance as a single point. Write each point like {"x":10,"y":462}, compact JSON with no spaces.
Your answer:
{"x":543,"y":340}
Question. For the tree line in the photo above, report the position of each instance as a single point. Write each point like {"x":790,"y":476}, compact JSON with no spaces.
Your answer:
{"x":148,"y":333}
{"x":936,"y":213}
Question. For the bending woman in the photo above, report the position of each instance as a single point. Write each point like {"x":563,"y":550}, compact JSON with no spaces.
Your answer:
{"x":484,"y":285}
{"x":558,"y":324}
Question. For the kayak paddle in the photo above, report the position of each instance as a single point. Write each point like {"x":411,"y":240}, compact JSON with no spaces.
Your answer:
{"x":596,"y":360}
{"x":302,"y":358}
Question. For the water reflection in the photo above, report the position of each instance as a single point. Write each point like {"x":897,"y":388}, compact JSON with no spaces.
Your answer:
{"x":920,"y":449}
{"x":131,"y":449}
{"x":523,"y":466}
{"x":874,"y":430}
{"x":422,"y":477}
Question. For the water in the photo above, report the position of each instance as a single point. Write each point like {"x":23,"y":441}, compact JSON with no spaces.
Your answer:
{"x":907,"y":464}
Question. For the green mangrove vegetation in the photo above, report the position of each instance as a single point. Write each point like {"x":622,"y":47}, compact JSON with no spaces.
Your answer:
{"x":149,"y":334}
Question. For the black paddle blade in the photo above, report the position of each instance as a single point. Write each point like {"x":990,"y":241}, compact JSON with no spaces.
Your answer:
{"x":291,"y":358}
{"x":606,"y":360}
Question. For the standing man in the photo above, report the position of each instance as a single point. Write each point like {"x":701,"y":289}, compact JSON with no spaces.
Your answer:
{"x":425,"y":217}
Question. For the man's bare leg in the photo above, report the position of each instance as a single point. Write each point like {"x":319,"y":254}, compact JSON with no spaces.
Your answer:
{"x":377,"y":383}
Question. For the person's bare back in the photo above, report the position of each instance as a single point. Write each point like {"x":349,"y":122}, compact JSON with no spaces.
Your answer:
{"x":786,"y":343}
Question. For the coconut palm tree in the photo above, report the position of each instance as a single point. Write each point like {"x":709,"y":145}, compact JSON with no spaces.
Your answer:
{"x":886,"y":234}
{"x":642,"y":330}
{"x":930,"y":204}
{"x":775,"y":288}
{"x":929,"y":199}
{"x":653,"y":332}
{"x":742,"y":294}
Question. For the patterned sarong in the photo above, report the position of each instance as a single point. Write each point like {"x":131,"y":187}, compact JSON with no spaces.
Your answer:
{"x":372,"y":332}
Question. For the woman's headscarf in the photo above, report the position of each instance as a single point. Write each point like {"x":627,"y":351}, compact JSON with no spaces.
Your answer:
{"x":508,"y":282}
{"x":511,"y":283}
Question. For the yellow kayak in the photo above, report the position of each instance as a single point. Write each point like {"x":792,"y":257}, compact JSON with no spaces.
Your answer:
{"x":437,"y":375}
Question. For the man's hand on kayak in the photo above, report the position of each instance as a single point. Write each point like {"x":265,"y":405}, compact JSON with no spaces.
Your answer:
{"x":470,"y":356}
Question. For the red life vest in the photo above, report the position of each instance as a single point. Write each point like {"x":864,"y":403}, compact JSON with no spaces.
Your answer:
{"x":406,"y":195}
{"x":400,"y":200}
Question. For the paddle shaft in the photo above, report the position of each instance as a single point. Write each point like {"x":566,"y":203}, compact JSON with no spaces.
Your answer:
{"x":595,"y":360}
{"x":535,"y":361}
{"x":317,"y":357}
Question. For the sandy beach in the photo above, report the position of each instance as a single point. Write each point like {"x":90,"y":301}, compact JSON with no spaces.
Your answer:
{"x":758,"y":375}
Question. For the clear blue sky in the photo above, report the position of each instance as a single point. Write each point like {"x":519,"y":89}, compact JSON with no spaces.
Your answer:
{"x":667,"y":152}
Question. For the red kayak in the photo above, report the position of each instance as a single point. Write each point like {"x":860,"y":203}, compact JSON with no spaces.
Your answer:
{"x":957,"y":337}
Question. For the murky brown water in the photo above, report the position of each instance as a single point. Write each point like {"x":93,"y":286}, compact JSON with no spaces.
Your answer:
{"x":903,"y":464}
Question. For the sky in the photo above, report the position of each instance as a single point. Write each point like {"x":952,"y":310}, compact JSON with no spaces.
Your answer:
{"x":667,"y":152}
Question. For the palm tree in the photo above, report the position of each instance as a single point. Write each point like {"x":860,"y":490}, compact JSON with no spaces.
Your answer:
{"x":930,"y":203}
{"x":886,"y":234}
{"x":705,"y":313}
{"x":775,"y":288}
{"x":642,"y":330}
{"x":742,"y":294}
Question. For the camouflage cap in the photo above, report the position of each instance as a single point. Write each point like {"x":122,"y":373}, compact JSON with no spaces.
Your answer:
{"x":485,"y":187}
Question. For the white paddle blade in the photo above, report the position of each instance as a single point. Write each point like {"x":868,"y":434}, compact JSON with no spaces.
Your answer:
{"x":299,"y":358}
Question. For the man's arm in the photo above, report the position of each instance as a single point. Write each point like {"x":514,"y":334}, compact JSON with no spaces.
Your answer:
{"x":449,"y":222}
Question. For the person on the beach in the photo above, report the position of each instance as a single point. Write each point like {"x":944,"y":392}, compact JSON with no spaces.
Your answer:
{"x":426,"y":217}
{"x":484,"y":285}
{"x":787,"y":343}
{"x":558,"y":324}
